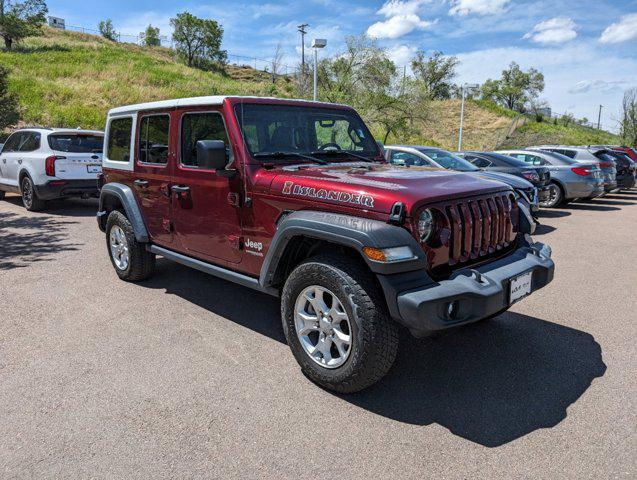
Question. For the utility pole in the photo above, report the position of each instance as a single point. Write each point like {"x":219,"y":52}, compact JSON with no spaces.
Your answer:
{"x":463,"y":91}
{"x":599,"y":117}
{"x":302,"y":31}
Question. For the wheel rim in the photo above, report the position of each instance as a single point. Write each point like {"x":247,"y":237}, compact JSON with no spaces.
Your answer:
{"x":554,"y":196}
{"x":27,"y":192}
{"x":119,"y":247}
{"x":323,"y":327}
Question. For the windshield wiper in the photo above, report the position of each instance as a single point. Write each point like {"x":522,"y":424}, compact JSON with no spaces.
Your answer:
{"x":289,"y":154}
{"x":342,"y":152}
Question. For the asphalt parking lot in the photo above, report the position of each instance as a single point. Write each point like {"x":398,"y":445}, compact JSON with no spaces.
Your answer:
{"x":188,"y":376}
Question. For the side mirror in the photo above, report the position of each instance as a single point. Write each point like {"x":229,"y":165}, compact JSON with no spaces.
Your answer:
{"x":211,"y":154}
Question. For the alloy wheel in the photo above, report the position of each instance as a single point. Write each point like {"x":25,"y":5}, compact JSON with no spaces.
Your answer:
{"x":27,"y":192}
{"x":119,"y":247}
{"x":555,"y":197}
{"x":323,"y":326}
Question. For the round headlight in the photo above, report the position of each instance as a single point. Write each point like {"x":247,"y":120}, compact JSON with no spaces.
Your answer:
{"x":425,"y":225}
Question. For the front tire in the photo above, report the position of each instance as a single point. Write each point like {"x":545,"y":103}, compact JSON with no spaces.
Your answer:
{"x":336,"y":323}
{"x":30,"y":198}
{"x":131,"y":260}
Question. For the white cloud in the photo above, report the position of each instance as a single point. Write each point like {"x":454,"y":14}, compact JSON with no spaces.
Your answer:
{"x":555,"y":30}
{"x":402,"y":18}
{"x":397,"y":26}
{"x":604,"y":86}
{"x":622,"y":31}
{"x":398,"y":7}
{"x":480,"y":7}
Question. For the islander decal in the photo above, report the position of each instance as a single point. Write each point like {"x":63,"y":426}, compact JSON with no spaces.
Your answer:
{"x":289,"y":188}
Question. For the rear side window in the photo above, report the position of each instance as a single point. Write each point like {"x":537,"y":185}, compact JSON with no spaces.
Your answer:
{"x":72,"y":143}
{"x":200,"y":126}
{"x":13,"y":142}
{"x":568,"y":153}
{"x":30,"y":142}
{"x":154,"y":135}
{"x":119,"y":139}
{"x":480,"y":162}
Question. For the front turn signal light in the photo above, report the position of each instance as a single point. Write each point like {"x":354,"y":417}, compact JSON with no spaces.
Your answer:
{"x":389,"y":255}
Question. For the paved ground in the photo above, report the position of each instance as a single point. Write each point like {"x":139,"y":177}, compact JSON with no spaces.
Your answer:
{"x":187,"y":376}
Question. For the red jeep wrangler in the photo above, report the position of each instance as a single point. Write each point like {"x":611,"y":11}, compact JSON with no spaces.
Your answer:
{"x":294,"y":198}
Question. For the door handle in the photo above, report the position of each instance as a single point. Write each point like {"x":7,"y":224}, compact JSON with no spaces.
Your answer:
{"x":180,"y":189}
{"x":141,"y":183}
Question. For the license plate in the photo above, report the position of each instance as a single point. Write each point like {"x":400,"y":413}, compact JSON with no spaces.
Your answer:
{"x":94,"y":168}
{"x":520,"y":286}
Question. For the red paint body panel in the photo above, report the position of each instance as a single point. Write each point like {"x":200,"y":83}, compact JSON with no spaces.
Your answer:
{"x":204,"y":223}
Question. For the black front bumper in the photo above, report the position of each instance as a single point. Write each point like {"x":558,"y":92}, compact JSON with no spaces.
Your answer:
{"x":476,"y":293}
{"x":67,"y":188}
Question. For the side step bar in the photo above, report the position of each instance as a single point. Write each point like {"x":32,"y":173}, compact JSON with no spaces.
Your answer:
{"x":211,"y":269}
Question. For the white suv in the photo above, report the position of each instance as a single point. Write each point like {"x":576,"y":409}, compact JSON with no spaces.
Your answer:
{"x":46,"y":163}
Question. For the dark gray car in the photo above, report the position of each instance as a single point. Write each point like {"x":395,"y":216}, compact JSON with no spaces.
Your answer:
{"x":570,"y":179}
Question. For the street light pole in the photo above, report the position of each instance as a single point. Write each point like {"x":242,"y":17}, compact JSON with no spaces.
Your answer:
{"x":316,"y":44}
{"x":463,"y":92}
{"x":599,"y":117}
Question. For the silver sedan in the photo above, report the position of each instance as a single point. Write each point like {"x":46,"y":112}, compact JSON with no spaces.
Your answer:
{"x":570,"y":179}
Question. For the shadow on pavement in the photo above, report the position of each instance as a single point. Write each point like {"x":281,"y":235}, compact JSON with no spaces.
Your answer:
{"x":544,"y":213}
{"x":608,"y":201}
{"x":543,"y":229}
{"x":593,"y":208}
{"x":27,"y":239}
{"x":71,"y":207}
{"x":251,"y":309}
{"x":489,"y":383}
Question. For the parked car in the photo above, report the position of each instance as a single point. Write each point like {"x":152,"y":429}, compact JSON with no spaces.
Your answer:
{"x":422,"y":156}
{"x":539,"y":176}
{"x":585,"y":155}
{"x":42,"y":164}
{"x":294,"y":199}
{"x":631,"y":152}
{"x":625,"y":169}
{"x":570,"y":179}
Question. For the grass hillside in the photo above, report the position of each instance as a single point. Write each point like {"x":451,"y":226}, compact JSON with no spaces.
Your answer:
{"x":69,"y":79}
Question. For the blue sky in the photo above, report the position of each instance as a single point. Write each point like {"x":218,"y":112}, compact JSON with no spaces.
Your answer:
{"x":586,"y":49}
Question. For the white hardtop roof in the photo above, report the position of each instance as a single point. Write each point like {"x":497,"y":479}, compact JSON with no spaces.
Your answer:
{"x":69,"y":131}
{"x":196,"y":101}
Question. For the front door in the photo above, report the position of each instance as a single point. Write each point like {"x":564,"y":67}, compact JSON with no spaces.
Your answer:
{"x":205,"y":215}
{"x":151,"y":181}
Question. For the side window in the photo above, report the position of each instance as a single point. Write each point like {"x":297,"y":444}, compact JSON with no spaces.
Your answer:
{"x":405,"y":158}
{"x":13,"y":142}
{"x":30,"y":142}
{"x":535,"y":160}
{"x":153,"y":139}
{"x":119,"y":139}
{"x":200,"y":126}
{"x":480,"y":162}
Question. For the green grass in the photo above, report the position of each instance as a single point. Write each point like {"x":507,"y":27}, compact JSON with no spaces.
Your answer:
{"x":69,"y":79}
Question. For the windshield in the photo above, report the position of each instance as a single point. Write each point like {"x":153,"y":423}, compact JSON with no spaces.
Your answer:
{"x":275,"y":129}
{"x":448,"y":160}
{"x":75,"y":143}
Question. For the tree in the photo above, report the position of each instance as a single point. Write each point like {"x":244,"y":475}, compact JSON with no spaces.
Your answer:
{"x":21,"y":19}
{"x":629,"y":117}
{"x":9,"y":111}
{"x":198,"y":41}
{"x":365,"y":77}
{"x":107,"y":30}
{"x":276,"y":61}
{"x":435,"y":73}
{"x":516,"y":87}
{"x":151,"y":37}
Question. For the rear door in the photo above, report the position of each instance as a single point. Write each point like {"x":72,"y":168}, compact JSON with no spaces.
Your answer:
{"x":205,"y":213}
{"x":9,"y":160}
{"x":154,"y":151}
{"x":79,"y":155}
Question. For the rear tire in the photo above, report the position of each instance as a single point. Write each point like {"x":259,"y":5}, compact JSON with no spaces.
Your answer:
{"x":30,"y":198}
{"x":131,"y":260}
{"x":2,"y":194}
{"x":353,"y":308}
{"x":556,"y":197}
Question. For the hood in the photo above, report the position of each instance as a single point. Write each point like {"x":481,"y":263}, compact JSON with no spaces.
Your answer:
{"x":378,"y":186}
{"x":512,"y":180}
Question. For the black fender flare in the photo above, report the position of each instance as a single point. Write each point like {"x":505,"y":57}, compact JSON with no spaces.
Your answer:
{"x":346,"y":230}
{"x":127,"y":199}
